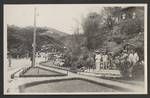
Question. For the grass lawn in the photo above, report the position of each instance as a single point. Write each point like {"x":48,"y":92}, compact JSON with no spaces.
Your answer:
{"x":68,"y":86}
{"x":37,"y":71}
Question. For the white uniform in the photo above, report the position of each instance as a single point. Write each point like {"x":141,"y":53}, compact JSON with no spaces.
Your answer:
{"x":105,"y":58}
{"x":97,"y":62}
{"x":135,"y":58}
{"x":130,"y":58}
{"x":105,"y":61}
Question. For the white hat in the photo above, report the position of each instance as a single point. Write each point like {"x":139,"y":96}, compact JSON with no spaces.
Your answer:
{"x":97,"y":51}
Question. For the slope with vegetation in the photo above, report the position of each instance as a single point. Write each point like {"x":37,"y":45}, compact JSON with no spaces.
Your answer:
{"x":20,"y":39}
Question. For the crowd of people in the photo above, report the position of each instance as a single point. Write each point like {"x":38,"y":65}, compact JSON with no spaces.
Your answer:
{"x":101,"y":60}
{"x":125,"y":61}
{"x":128,"y":60}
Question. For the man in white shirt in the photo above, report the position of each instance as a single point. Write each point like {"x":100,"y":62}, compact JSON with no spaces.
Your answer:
{"x":131,"y":56}
{"x":130,"y":59}
{"x":133,"y":59}
{"x":97,"y":60}
{"x":105,"y":61}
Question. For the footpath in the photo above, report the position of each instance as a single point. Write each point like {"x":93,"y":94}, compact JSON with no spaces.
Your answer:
{"x":13,"y":86}
{"x":129,"y":87}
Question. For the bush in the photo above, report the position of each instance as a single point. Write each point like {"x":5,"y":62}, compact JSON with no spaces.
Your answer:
{"x":124,"y":68}
{"x":138,"y":71}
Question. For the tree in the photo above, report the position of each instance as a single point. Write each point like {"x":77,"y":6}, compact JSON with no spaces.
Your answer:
{"x":20,"y":40}
{"x":91,"y":26}
{"x":109,"y":14}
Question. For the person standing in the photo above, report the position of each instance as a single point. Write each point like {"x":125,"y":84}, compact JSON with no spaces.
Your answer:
{"x":124,"y":63}
{"x":101,"y":61}
{"x":124,"y":58}
{"x":31,"y":57}
{"x":97,"y":60}
{"x":105,"y":61}
{"x":110,"y":61}
{"x":90,"y":61}
{"x":133,"y":59}
{"x":9,"y":59}
{"x":130,"y":57}
{"x":116,"y":62}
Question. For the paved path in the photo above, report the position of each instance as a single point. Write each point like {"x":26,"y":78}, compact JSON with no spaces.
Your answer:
{"x":13,"y":86}
{"x":16,"y":65}
{"x":92,"y":72}
{"x":105,"y":74}
{"x":103,"y":81}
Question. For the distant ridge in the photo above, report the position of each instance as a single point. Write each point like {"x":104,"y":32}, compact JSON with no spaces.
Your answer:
{"x":51,"y":32}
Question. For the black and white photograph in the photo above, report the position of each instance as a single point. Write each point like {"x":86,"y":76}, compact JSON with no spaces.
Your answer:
{"x":53,"y":49}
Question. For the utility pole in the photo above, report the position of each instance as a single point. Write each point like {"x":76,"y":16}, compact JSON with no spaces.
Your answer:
{"x":34,"y":39}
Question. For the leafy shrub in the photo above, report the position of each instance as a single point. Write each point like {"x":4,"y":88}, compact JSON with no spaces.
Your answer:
{"x":138,"y":71}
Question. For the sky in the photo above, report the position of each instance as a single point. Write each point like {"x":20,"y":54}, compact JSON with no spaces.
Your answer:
{"x":62,"y":17}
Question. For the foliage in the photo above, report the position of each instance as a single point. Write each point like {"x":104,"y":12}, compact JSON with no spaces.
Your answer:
{"x":101,"y":29}
{"x":93,"y":30}
{"x":20,"y":40}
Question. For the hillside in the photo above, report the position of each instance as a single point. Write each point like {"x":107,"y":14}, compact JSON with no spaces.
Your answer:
{"x":20,"y":39}
{"x":54,"y":33}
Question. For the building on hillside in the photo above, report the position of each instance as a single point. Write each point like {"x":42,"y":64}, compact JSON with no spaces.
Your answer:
{"x":129,"y":13}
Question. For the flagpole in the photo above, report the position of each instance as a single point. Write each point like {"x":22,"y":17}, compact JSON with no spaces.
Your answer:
{"x":34,"y":39}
